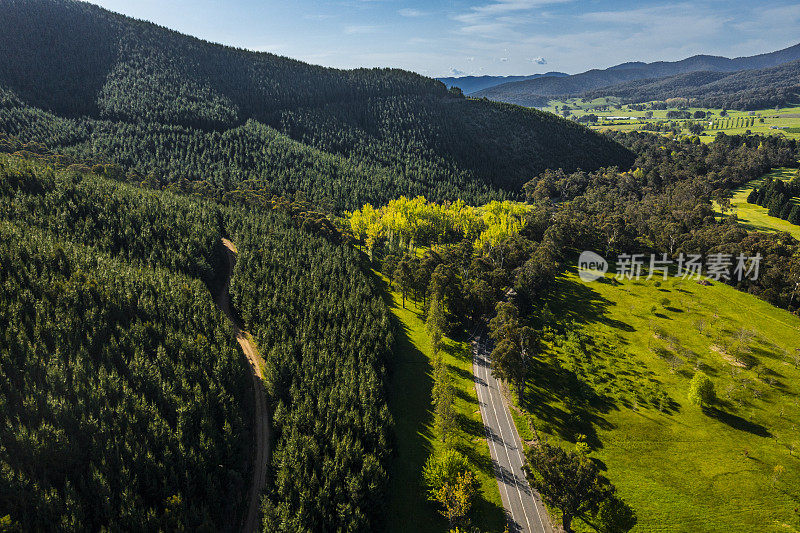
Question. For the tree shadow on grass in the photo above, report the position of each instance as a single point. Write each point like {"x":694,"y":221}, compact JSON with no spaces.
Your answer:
{"x":472,"y":427}
{"x":461,"y":373}
{"x":457,"y":352}
{"x":480,"y":462}
{"x":736,"y":422}
{"x":582,"y":407}
{"x":564,"y":401}
{"x":463,"y":395}
{"x":489,"y":515}
{"x":766,"y":353}
{"x":409,"y":400}
{"x":573,"y":301}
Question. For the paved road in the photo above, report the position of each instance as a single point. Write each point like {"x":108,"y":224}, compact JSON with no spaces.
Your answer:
{"x":260,"y":415}
{"x":524,"y":509}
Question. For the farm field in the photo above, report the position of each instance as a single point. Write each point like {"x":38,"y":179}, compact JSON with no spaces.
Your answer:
{"x":410,"y":404}
{"x":622,"y":379}
{"x":754,"y":217}
{"x":774,"y":119}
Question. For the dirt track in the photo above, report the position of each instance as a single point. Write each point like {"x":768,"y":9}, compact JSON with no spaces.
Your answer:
{"x":261,"y":422}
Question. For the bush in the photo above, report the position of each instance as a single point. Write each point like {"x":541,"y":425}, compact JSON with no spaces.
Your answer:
{"x":442,"y":469}
{"x":701,"y":390}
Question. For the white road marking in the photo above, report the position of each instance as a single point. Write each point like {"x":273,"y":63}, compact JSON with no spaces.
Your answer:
{"x":518,"y":444}
{"x":505,"y":447}
{"x":487,"y":430}
{"x":479,"y":352}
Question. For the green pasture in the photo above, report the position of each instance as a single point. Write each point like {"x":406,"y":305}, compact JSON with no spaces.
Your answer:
{"x":783,"y":121}
{"x":754,"y":217}
{"x":731,"y":466}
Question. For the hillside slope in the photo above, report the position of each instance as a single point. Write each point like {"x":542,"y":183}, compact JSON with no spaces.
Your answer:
{"x":125,"y":401}
{"x":621,"y":374}
{"x":537,"y":92}
{"x":473,"y":84}
{"x":184,"y":109}
{"x":749,"y":89}
{"x":115,"y":361}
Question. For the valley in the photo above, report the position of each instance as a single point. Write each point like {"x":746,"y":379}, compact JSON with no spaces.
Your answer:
{"x":756,"y":218}
{"x":613,"y":115}
{"x":260,"y":414}
{"x":245,"y":292}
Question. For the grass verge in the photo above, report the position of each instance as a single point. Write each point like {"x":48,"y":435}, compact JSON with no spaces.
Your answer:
{"x":410,"y":404}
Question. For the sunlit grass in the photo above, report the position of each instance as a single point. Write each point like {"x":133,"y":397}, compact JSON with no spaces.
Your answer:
{"x":756,"y":218}
{"x":680,"y":467}
{"x":410,"y":405}
{"x":775,"y":120}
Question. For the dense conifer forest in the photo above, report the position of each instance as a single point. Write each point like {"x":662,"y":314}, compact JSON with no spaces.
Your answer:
{"x":324,"y":330}
{"x":112,"y":342}
{"x":178,"y":108}
{"x":128,"y":152}
{"x":124,"y":397}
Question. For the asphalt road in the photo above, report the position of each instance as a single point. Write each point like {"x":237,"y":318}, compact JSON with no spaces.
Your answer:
{"x":524,"y":509}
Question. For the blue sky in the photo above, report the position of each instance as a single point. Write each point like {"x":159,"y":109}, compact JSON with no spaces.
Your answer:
{"x":458,"y":37}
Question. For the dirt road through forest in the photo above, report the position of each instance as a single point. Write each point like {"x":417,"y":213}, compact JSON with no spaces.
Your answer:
{"x":261,"y":422}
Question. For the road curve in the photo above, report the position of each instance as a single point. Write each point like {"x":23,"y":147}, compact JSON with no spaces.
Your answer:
{"x":524,"y":509}
{"x":261,"y":422}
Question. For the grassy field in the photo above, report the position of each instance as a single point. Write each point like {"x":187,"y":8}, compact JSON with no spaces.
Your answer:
{"x":773,"y":118}
{"x":410,"y":405}
{"x":623,"y":382}
{"x":754,"y":217}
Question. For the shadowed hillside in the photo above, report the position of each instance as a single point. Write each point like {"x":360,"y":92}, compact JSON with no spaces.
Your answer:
{"x":89,"y":82}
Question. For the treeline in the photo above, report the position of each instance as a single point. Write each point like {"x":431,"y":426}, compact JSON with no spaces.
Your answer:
{"x":175,"y":109}
{"x":124,"y":397}
{"x":506,"y":283}
{"x":665,"y":205}
{"x":413,"y":222}
{"x":324,"y":332}
{"x":779,"y":197}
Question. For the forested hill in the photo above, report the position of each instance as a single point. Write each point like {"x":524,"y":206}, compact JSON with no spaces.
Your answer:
{"x":125,"y":402}
{"x":537,"y":92}
{"x":88,"y":82}
{"x":473,"y":84}
{"x":749,"y":89}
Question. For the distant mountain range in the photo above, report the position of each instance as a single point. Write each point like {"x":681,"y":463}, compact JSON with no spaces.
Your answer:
{"x":536,"y":92}
{"x":747,"y":89}
{"x":472,"y":84}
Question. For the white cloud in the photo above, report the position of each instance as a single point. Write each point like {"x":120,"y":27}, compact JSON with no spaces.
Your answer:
{"x":538,"y":60}
{"x":495,"y":20}
{"x":456,"y":72}
{"x":409,"y":12}
{"x":503,"y":59}
{"x":509,"y":6}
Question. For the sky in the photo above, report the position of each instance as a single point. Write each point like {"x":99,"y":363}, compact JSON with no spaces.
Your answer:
{"x":481,"y":37}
